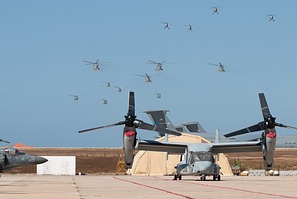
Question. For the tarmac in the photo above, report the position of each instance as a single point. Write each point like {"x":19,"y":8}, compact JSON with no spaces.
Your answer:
{"x":118,"y":186}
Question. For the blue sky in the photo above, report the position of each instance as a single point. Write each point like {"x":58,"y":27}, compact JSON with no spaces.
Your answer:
{"x":43,"y":44}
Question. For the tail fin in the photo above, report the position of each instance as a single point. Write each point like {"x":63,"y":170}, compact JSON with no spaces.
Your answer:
{"x":194,"y":127}
{"x":160,"y":119}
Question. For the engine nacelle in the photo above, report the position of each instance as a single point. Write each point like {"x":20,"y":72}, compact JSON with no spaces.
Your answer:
{"x":268,"y":149}
{"x":129,"y":139}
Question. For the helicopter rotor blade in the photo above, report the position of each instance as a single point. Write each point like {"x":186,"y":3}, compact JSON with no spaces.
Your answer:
{"x":131,"y":105}
{"x":264,"y":106}
{"x":213,"y":64}
{"x":89,"y":62}
{"x":152,"y":62}
{"x":257,"y":127}
{"x":101,"y":127}
{"x":143,"y":125}
{"x":285,"y":126}
{"x":4,"y":141}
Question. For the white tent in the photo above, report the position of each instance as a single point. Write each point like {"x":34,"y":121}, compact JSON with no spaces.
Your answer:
{"x":155,"y":163}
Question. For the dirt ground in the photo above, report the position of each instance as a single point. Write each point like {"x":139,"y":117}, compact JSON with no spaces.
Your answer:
{"x":105,"y":160}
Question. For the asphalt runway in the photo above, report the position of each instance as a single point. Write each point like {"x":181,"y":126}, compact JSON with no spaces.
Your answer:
{"x":91,"y":187}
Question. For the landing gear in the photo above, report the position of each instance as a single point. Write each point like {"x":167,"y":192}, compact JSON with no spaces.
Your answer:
{"x":177,"y":176}
{"x":202,"y":178}
{"x":216,"y":177}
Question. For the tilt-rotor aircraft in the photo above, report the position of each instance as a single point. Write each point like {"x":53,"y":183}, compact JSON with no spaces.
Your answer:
{"x":129,"y":132}
{"x":198,"y":158}
{"x":12,"y":157}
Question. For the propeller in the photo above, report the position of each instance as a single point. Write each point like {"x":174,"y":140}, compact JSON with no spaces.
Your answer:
{"x":268,"y":123}
{"x":131,"y":121}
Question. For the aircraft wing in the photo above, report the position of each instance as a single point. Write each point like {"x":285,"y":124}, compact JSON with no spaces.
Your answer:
{"x":237,"y":147}
{"x":150,"y":145}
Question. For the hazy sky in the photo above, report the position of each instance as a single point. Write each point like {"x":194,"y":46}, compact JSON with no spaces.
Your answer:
{"x":43,"y":44}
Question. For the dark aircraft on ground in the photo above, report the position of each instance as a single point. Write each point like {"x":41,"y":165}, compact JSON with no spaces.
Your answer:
{"x":12,"y":157}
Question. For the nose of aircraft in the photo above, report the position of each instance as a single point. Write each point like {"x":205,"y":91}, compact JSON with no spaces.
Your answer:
{"x":40,"y":160}
{"x":202,"y":166}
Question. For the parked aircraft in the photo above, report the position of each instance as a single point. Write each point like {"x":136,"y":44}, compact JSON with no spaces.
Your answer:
{"x":12,"y":157}
{"x":198,"y":158}
{"x":129,"y":131}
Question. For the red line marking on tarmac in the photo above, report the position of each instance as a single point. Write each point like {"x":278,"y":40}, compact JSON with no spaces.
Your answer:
{"x":163,"y":190}
{"x":231,"y":188}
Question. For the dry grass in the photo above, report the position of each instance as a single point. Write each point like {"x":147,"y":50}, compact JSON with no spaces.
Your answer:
{"x":104,"y":160}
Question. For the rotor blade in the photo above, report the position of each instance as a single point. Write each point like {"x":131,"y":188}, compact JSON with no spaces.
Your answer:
{"x":257,"y":127}
{"x":264,"y":106}
{"x":213,"y":64}
{"x":131,"y":105}
{"x":152,"y":62}
{"x":285,"y":126}
{"x":100,"y":127}
{"x":143,"y":125}
{"x":140,"y":75}
{"x":89,"y":62}
{"x":4,"y":141}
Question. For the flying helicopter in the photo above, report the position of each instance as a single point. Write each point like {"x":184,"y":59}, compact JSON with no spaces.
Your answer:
{"x":221,"y":66}
{"x":215,"y":10}
{"x":96,"y":65}
{"x":104,"y":101}
{"x":108,"y":84}
{"x":271,"y":18}
{"x":158,"y":95}
{"x":119,"y":89}
{"x":75,"y":97}
{"x":129,"y":131}
{"x":166,"y":25}
{"x":147,"y":78}
{"x":12,"y":157}
{"x":190,"y":28}
{"x":268,"y":137}
{"x":159,"y":64}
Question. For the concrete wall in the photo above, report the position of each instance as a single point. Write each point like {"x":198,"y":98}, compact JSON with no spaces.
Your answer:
{"x":58,"y":165}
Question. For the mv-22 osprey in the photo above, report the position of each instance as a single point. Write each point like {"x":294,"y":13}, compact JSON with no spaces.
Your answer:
{"x":129,"y":132}
{"x":198,"y":158}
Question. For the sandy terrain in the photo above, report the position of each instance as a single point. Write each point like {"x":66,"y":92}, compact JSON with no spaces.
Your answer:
{"x":104,"y":160}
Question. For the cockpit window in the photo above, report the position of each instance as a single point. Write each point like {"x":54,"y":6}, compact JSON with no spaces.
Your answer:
{"x":12,"y":151}
{"x":201,"y":156}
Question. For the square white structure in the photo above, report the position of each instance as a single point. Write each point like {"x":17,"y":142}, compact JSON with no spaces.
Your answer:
{"x":57,"y":165}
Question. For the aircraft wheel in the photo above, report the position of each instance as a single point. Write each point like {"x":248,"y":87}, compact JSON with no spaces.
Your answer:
{"x":175,"y":177}
{"x":203,"y":178}
{"x":179,"y":177}
{"x":219,"y":178}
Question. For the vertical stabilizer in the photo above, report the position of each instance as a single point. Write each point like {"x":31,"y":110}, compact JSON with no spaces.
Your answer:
{"x":160,"y":119}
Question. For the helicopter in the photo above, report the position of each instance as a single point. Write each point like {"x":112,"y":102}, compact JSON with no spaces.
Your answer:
{"x":271,"y":18}
{"x":215,"y":10}
{"x":129,"y":131}
{"x":75,"y":97}
{"x":221,"y":67}
{"x":158,"y":95}
{"x":119,"y":89}
{"x":96,"y":65}
{"x":147,"y":78}
{"x":104,"y":101}
{"x":166,"y":25}
{"x":159,"y":64}
{"x":108,"y":84}
{"x":190,"y":28}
